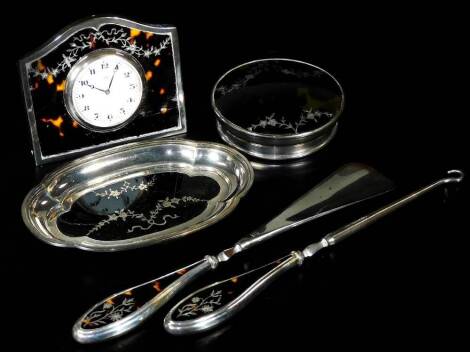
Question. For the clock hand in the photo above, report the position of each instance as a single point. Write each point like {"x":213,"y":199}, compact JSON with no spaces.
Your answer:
{"x":93,"y":87}
{"x":111,"y":82}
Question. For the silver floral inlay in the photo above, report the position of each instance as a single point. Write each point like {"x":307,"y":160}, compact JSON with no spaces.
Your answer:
{"x":301,"y":73}
{"x":83,"y":42}
{"x":261,"y":67}
{"x":281,"y":123}
{"x":241,"y":82}
{"x":201,"y":305}
{"x":109,"y":312}
{"x":154,"y":218}
{"x":125,"y":188}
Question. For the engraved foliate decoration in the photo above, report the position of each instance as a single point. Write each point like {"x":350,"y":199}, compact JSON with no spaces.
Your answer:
{"x":209,"y":299}
{"x":138,"y":206}
{"x":278,"y":96}
{"x":102,"y":82}
{"x":123,"y":304}
{"x":137,"y":194}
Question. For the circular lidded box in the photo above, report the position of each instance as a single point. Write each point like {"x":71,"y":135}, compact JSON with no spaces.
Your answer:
{"x":277,"y":108}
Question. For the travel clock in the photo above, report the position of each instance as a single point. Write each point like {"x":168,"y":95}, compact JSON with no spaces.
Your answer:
{"x":104,"y":90}
{"x":101,"y":82}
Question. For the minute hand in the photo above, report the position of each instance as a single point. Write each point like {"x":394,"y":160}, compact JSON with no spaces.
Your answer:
{"x":111,"y":81}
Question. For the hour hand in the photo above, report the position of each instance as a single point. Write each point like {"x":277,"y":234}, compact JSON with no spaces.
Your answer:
{"x":93,"y":87}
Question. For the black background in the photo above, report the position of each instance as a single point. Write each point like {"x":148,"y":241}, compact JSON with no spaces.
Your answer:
{"x":400,"y":283}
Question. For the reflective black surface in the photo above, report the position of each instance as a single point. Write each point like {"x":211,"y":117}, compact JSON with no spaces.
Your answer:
{"x":401,"y":283}
{"x":138,"y":206}
{"x":278,"y":97}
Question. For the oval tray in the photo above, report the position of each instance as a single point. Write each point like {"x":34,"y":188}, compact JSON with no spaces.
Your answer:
{"x":137,"y":194}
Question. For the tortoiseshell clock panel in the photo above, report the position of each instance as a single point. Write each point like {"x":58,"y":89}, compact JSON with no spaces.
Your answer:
{"x":55,"y":133}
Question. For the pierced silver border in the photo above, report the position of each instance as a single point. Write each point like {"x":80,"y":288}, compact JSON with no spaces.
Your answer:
{"x":96,"y":23}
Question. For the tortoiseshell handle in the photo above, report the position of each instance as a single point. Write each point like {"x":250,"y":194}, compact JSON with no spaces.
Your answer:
{"x":119,"y":313}
{"x":214,"y":304}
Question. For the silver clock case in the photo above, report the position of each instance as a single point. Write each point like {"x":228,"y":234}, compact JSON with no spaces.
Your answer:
{"x":82,"y":64}
{"x":61,"y":37}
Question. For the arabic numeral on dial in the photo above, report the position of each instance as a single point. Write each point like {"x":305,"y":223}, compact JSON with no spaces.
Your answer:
{"x":96,"y":115}
{"x":92,"y":71}
{"x":132,"y":86}
{"x":130,"y":100}
{"x":116,"y":67}
{"x":83,"y":83}
{"x":110,"y":116}
{"x":123,"y":111}
{"x":127,"y":74}
{"x":104,"y":65}
{"x":80,"y":96}
{"x":86,"y":108}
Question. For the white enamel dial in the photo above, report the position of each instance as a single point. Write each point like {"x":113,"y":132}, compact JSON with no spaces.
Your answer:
{"x":104,"y":89}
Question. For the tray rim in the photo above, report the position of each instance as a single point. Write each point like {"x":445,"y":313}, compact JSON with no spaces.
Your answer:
{"x":41,"y":188}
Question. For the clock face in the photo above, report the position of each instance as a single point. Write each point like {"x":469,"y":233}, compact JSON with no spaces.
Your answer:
{"x":104,"y":89}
